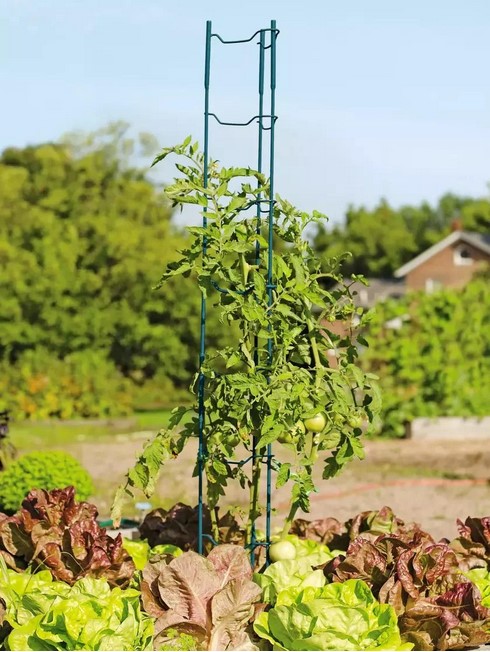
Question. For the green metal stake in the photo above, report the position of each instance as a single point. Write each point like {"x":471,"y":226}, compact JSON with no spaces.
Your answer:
{"x":270,"y":285}
{"x":202,"y":343}
{"x":202,"y":450}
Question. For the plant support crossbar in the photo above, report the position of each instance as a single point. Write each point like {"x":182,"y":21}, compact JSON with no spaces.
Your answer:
{"x":266,"y":122}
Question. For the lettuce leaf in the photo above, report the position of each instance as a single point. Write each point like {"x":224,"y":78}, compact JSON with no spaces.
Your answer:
{"x":141,"y":553}
{"x":55,"y":532}
{"x":288,"y":574}
{"x":481,"y":579}
{"x":45,"y":614}
{"x":333,"y":617}
{"x":210,"y":600}
{"x":315,"y":552}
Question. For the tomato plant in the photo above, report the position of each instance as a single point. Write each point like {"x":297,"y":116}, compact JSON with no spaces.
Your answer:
{"x":248,"y":391}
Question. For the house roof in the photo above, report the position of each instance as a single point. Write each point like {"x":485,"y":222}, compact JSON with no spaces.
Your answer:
{"x":478,"y":240}
{"x":378,"y":289}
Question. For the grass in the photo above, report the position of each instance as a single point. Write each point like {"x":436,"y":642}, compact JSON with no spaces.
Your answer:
{"x":152,"y":419}
{"x":31,"y":435}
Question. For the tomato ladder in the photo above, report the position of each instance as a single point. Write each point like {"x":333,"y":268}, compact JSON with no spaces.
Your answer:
{"x":264,"y":211}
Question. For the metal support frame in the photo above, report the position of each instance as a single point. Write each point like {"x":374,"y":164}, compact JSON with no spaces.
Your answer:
{"x":265,"y":122}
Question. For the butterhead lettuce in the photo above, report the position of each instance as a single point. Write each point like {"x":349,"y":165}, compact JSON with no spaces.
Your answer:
{"x":288,"y":574}
{"x":333,"y":617}
{"x":48,"y":615}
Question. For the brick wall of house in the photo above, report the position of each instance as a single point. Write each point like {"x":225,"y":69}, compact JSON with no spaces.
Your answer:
{"x":442,"y":269}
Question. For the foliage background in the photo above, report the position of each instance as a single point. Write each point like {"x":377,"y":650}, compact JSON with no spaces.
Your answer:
{"x":84,"y":238}
{"x":438,"y":362}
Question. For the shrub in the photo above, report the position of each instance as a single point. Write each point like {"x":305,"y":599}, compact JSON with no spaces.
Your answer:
{"x":43,"y":470}
{"x":83,"y":384}
{"x":436,"y":363}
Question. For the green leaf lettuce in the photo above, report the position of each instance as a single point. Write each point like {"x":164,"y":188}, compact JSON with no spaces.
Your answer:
{"x":334,"y":617}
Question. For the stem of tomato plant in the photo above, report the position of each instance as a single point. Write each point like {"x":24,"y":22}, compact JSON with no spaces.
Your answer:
{"x":253,"y":511}
{"x":290,"y":518}
{"x":214,"y":524}
{"x":315,"y":439}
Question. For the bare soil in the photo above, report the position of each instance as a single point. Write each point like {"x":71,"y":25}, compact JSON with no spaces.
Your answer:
{"x":432,"y":483}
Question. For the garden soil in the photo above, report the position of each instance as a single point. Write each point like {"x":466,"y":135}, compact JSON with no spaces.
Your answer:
{"x":431,"y":483}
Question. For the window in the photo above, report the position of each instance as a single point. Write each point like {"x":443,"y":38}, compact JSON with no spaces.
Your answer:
{"x":462,"y":256}
{"x":363,"y":297}
{"x":432,"y":284}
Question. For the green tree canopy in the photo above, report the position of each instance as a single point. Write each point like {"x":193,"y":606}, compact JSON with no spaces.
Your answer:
{"x":382,"y":239}
{"x":84,"y":236}
{"x":437,"y":362}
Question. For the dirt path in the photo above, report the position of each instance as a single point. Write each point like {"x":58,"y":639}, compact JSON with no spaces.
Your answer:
{"x":432,"y":484}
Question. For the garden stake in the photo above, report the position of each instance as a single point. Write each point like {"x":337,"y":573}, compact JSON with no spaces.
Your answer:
{"x":258,"y":458}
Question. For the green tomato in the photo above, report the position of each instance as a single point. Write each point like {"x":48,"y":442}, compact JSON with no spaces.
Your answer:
{"x":338,"y":419}
{"x":316,"y":423}
{"x":282,"y":550}
{"x":286,"y":438}
{"x":355,"y":421}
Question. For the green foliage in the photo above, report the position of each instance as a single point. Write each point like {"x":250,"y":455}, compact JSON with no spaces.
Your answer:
{"x":437,"y":363}
{"x":42,"y":470}
{"x":8,"y":451}
{"x":84,"y":384}
{"x":382,"y":239}
{"x":289,"y":574}
{"x":82,"y":233}
{"x":316,"y":553}
{"x":49,"y":615}
{"x":141,"y":553}
{"x":480,"y":577}
{"x":251,"y":392}
{"x":334,"y":617}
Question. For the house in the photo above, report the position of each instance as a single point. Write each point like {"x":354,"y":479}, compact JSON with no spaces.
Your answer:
{"x":452,"y":262}
{"x":379,"y":289}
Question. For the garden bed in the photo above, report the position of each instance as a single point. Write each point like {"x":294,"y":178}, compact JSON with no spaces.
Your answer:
{"x":371,"y":582}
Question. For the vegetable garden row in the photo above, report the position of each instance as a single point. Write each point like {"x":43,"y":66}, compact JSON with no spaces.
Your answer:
{"x":289,"y":392}
{"x":370,"y":583}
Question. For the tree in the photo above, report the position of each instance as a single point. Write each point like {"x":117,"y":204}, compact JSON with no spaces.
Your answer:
{"x":84,"y":236}
{"x":382,"y":239}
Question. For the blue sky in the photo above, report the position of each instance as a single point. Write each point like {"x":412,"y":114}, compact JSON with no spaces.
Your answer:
{"x":375,"y":98}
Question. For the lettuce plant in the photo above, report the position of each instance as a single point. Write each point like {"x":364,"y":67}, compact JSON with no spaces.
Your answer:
{"x":208,"y":602}
{"x":333,"y":617}
{"x":288,"y":574}
{"x":316,"y":553}
{"x":52,"y":531}
{"x":438,"y":608}
{"x":178,"y":526}
{"x":44,"y":614}
{"x":472,"y":547}
{"x":369,"y":524}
